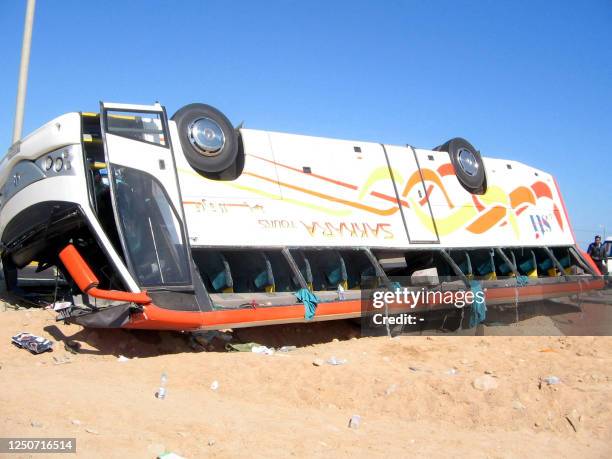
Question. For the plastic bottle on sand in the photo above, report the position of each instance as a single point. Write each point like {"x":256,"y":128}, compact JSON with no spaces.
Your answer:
{"x":161,"y":392}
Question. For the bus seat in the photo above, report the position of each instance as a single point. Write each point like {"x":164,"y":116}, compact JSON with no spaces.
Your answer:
{"x":265,"y":278}
{"x":487,"y":268}
{"x":215,"y":271}
{"x":505,"y":269}
{"x":529,"y":267}
{"x":335,"y":273}
{"x":548,"y":266}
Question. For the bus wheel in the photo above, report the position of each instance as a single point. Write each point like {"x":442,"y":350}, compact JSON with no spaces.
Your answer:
{"x":468,"y":164}
{"x":209,"y":141}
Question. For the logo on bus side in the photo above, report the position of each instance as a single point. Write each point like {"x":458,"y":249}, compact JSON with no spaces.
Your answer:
{"x":541,"y":224}
{"x":331,"y":230}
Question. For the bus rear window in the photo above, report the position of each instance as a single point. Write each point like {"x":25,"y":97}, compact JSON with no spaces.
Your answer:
{"x":145,"y":127}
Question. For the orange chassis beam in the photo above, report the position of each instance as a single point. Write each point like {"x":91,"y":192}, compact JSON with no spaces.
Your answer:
{"x":157,"y":318}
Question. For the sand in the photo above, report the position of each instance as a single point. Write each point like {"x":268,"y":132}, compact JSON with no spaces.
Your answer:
{"x":415,"y":395}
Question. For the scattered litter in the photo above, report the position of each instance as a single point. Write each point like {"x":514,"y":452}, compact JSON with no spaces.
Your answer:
{"x":571,"y":423}
{"x":169,"y":455}
{"x":34,"y":344}
{"x":550,"y":380}
{"x":574,"y":419}
{"x":392,"y":388}
{"x":214,"y":385}
{"x":72,"y":346}
{"x":452,"y":372}
{"x":354,"y":422}
{"x":548,"y":349}
{"x":61,"y":360}
{"x":161,"y":392}
{"x":485,"y":383}
{"x":36,"y":424}
{"x":262,"y":350}
{"x":156,"y":449}
{"x":287,"y":348}
{"x":414,"y":369}
{"x":92,"y":431}
{"x":518,"y":405}
{"x":211,"y":442}
{"x":341,"y":295}
{"x":241,"y":347}
{"x":59,"y":305}
{"x":488,"y":372}
{"x":318,"y":362}
{"x":205,"y":338}
{"x":122,"y":358}
{"x":76,"y":422}
{"x":334,"y":361}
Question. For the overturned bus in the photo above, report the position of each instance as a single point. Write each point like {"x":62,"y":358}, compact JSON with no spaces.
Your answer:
{"x":188,"y":223}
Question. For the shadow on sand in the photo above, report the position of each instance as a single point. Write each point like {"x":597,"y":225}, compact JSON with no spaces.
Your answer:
{"x":562,"y":316}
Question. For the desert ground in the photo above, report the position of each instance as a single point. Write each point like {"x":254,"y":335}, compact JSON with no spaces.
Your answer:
{"x":416,"y":396}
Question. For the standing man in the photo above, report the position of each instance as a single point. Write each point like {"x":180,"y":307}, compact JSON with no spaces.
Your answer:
{"x":597,"y":252}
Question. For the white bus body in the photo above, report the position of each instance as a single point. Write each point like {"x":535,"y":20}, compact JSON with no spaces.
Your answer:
{"x":178,"y":223}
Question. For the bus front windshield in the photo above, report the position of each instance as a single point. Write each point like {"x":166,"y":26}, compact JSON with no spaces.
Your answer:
{"x":152,"y":235}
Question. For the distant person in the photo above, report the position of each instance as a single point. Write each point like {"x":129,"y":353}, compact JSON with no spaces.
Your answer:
{"x":597,"y":252}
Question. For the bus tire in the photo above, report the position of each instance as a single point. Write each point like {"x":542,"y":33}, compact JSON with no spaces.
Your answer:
{"x":468,"y":164}
{"x":200,"y":149}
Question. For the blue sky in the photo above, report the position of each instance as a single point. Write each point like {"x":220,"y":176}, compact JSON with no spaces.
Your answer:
{"x":524,"y":80}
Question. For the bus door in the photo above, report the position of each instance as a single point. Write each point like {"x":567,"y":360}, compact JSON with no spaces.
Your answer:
{"x":409,"y":180}
{"x":146,"y":195}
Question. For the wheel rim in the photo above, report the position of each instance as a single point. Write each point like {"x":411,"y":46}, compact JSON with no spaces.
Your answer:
{"x":467,"y":162}
{"x":206,"y":136}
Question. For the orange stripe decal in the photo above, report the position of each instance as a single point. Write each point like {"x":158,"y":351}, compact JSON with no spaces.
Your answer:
{"x":295,"y":169}
{"x":446,"y":169}
{"x":356,"y":205}
{"x":488,"y":220}
{"x":388,"y":198}
{"x":520,"y":196}
{"x":477,"y":203}
{"x":541,"y":189}
{"x":428,"y":175}
{"x":426,"y":197}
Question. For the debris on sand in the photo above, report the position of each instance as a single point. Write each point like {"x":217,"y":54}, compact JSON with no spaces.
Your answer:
{"x":485,"y":383}
{"x":549,"y":380}
{"x":72,"y":346}
{"x":335,"y":361}
{"x":354,"y":422}
{"x":169,"y":455}
{"x":61,"y":360}
{"x":34,"y":344}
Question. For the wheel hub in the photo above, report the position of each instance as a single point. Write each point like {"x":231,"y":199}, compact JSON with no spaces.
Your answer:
{"x":207,"y":136}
